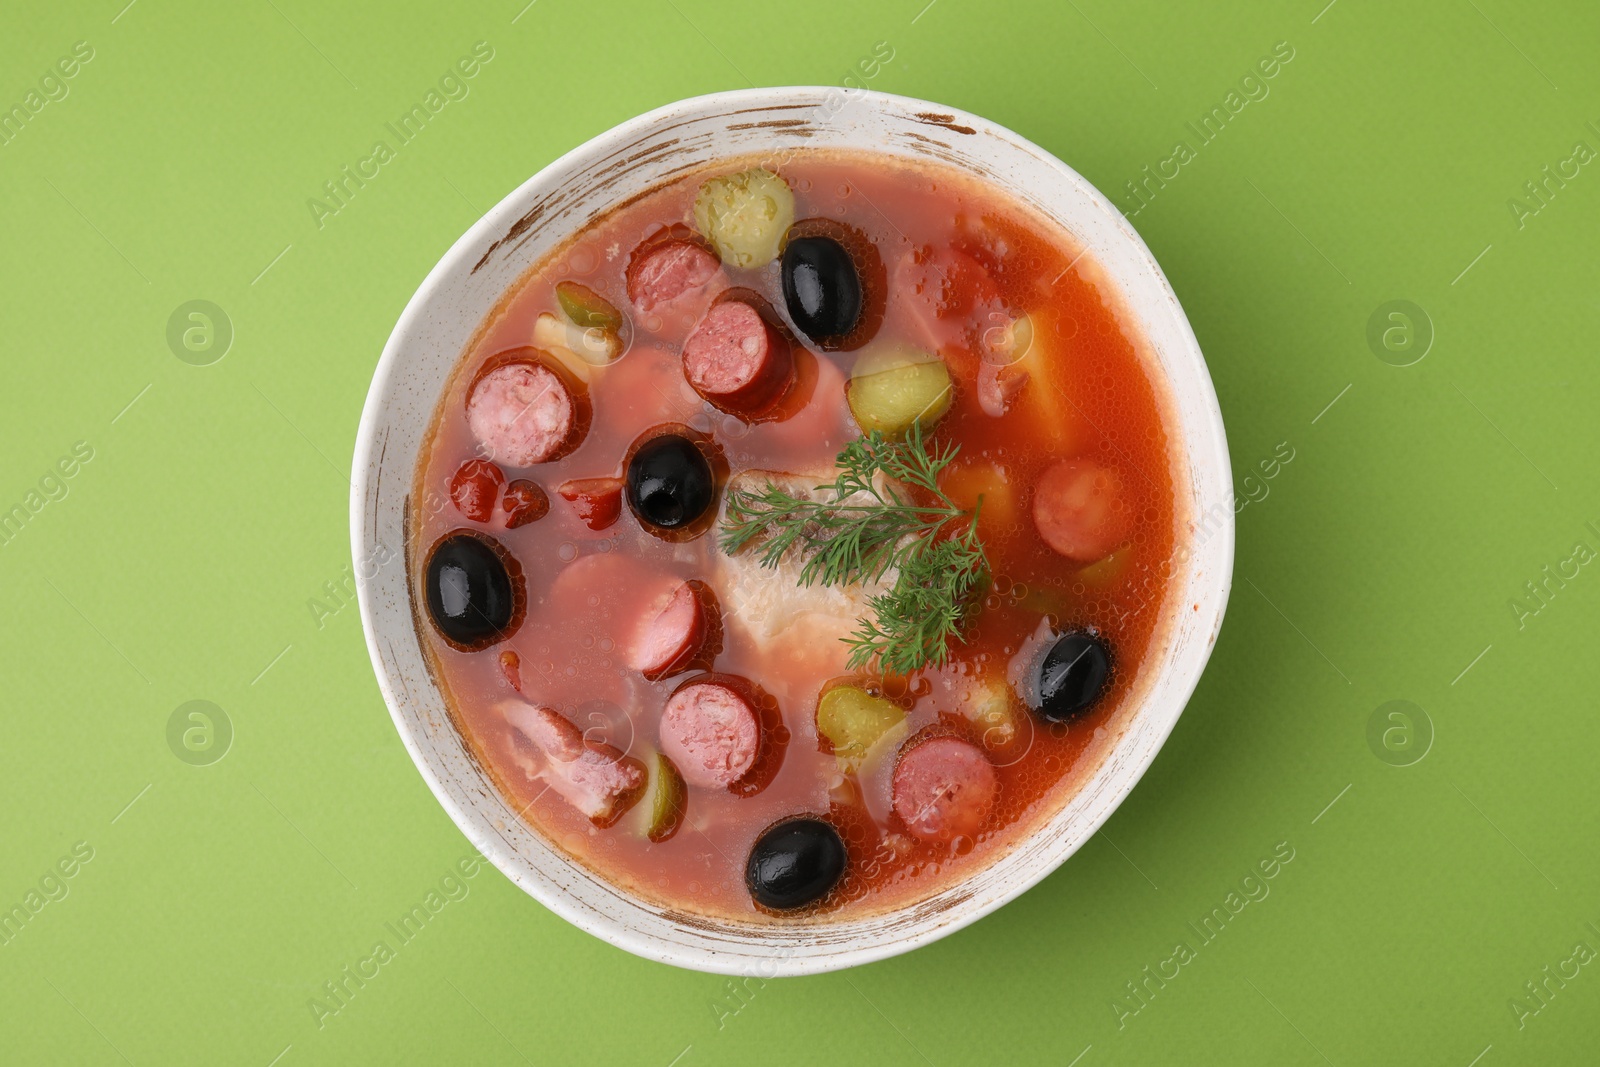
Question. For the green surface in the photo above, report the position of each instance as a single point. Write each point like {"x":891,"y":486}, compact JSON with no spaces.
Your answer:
{"x":189,"y":555}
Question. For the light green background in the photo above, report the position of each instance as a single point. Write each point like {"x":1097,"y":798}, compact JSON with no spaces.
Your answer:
{"x":1379,"y":566}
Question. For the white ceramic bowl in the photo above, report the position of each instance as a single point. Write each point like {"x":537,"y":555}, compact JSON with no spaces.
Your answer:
{"x":442,"y":317}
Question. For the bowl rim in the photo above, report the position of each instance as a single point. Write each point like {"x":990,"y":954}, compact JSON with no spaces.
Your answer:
{"x":495,"y":221}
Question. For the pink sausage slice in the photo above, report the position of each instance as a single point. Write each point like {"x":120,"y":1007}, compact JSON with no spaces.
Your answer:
{"x":523,"y":413}
{"x":944,"y":788}
{"x":1080,"y":509}
{"x":593,"y":777}
{"x":670,"y":640}
{"x":712,"y":733}
{"x":665,"y":270}
{"x":737,"y":360}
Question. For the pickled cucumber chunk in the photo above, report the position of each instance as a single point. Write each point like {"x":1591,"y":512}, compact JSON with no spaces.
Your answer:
{"x":745,"y":215}
{"x":894,"y":386}
{"x":665,"y":799}
{"x":853,"y":720}
{"x":587,"y":308}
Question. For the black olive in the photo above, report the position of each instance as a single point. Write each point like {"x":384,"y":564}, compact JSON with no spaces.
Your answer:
{"x":821,"y":288}
{"x":670,"y":484}
{"x":474,"y":590}
{"x":795,"y":863}
{"x":1073,"y":676}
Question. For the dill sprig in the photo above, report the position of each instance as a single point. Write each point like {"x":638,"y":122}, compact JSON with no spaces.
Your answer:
{"x":883,"y":510}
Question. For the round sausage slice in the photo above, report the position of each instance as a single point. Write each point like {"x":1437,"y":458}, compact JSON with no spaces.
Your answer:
{"x":523,"y":413}
{"x":944,"y":788}
{"x":662,"y":271}
{"x":737,"y":360}
{"x":1080,"y":509}
{"x":670,"y":640}
{"x":712,"y":733}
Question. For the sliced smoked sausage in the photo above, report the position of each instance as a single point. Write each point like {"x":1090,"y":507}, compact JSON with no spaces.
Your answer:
{"x":665,"y":268}
{"x":1081,"y":509}
{"x":944,"y":788}
{"x":671,"y":639}
{"x":524,"y":412}
{"x":737,"y":359}
{"x":712,"y":733}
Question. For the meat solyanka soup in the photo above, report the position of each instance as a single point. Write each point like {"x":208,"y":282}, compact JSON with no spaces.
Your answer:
{"x":792,"y":538}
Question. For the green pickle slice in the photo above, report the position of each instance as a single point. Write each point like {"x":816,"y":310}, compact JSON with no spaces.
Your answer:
{"x":587,"y":308}
{"x":853,"y":720}
{"x":894,"y":386}
{"x":665,"y":799}
{"x":745,"y":215}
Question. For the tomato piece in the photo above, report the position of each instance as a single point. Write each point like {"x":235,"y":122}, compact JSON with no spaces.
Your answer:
{"x":476,"y":488}
{"x":597,"y":501}
{"x":511,"y":669}
{"x":524,"y":502}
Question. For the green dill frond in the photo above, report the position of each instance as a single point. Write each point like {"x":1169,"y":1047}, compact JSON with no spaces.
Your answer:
{"x":861,"y":529}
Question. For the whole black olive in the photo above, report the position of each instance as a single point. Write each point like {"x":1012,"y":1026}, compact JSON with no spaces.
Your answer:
{"x":1073,"y":676}
{"x":821,"y":288}
{"x":474,"y":590}
{"x":670,"y":484}
{"x":794,"y":863}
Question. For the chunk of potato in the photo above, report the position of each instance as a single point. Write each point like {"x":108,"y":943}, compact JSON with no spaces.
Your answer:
{"x":990,"y":707}
{"x":595,"y":346}
{"x":972,"y":477}
{"x":1055,"y":368}
{"x":745,"y":216}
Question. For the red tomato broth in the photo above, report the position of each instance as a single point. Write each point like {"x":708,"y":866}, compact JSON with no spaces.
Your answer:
{"x":1090,"y":394}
